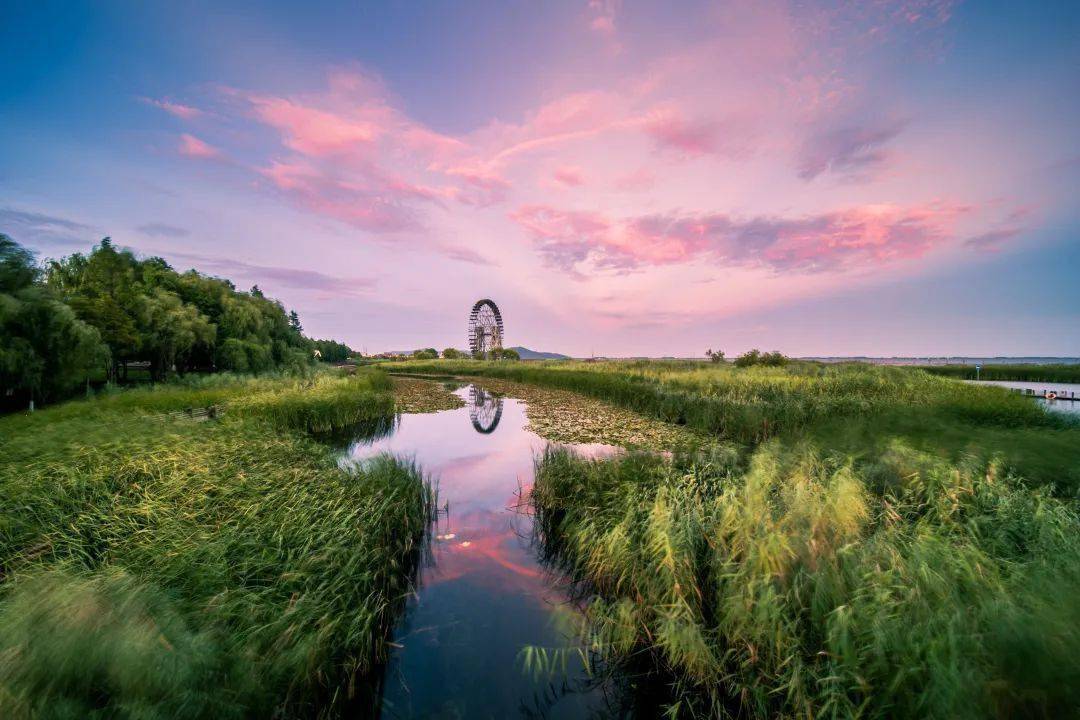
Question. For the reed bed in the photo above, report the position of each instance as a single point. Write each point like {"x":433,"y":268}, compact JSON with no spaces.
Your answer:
{"x":1052,"y":373}
{"x":798,"y":583}
{"x":228,"y":568}
{"x":753,"y":404}
{"x":859,"y":407}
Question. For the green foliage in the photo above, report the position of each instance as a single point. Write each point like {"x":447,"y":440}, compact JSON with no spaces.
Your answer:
{"x":163,"y":567}
{"x":798,"y":583}
{"x":108,"y":309}
{"x":332,"y":352}
{"x":756,"y":357}
{"x":715,"y":356}
{"x":454,"y":354}
{"x":46,"y":352}
{"x":148,"y":312}
{"x":508,"y":354}
{"x":1058,"y":373}
{"x":426,"y":354}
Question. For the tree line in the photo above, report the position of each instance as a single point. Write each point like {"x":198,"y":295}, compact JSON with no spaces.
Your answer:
{"x":96,"y":315}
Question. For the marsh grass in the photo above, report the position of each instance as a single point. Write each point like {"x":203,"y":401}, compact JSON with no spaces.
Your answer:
{"x":858,"y":404}
{"x":753,"y":404}
{"x":173,"y":568}
{"x":1051,"y":373}
{"x":798,"y":583}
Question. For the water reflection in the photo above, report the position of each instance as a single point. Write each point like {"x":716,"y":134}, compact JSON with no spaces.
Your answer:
{"x":362,"y":432}
{"x":485,"y":409}
{"x":484,"y":595}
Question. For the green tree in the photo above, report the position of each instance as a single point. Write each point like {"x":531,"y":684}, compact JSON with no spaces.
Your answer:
{"x":756,"y":357}
{"x":171,"y":330}
{"x":332,"y":351}
{"x":46,"y":352}
{"x":716,"y":356}
{"x":104,"y":292}
{"x":454,"y":354}
{"x":426,"y":354}
{"x":748,"y":358}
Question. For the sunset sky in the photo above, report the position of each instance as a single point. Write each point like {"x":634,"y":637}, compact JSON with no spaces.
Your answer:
{"x":623,"y":178}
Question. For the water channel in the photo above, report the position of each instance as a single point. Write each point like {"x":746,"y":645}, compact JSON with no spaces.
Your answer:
{"x":1039,"y":388}
{"x":483,"y":595}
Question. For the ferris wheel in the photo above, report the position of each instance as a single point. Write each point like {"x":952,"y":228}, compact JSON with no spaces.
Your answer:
{"x":485,"y":329}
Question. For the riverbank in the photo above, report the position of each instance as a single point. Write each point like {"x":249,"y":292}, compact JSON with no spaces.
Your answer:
{"x":155,"y":561}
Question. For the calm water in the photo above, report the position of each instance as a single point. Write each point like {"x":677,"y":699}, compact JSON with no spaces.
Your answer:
{"x":484,"y":595}
{"x":1068,"y":406}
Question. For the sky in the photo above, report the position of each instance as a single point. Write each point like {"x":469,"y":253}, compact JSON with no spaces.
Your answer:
{"x":622,"y":178}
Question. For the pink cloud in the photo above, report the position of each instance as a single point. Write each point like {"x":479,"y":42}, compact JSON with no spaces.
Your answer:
{"x":635,"y":181}
{"x":480,"y":186}
{"x":194,"y":147}
{"x":184,"y":112}
{"x":691,"y":138}
{"x":602,"y":17}
{"x":377,"y":208}
{"x":310,"y":131}
{"x":862,"y":236}
{"x":568,"y":175}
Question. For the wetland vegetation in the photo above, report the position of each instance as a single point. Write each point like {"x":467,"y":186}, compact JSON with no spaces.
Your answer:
{"x":155,"y":564}
{"x":839,"y":540}
{"x":851,"y":541}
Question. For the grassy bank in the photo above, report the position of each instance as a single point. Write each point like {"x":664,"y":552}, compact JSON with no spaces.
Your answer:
{"x":153,"y":565}
{"x":800,"y":583}
{"x":1058,"y":373}
{"x":857,"y":407}
{"x":880,"y":542}
{"x":752,"y":404}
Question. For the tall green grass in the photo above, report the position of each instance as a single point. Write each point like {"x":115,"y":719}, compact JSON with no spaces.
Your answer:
{"x":753,"y":404}
{"x":1053,"y":373}
{"x":800,"y":583}
{"x":860,"y":405}
{"x":157,"y":566}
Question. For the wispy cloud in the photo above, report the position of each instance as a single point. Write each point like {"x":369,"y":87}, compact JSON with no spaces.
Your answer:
{"x":857,"y":237}
{"x":162,"y":230}
{"x":568,"y":175}
{"x":269,"y":275}
{"x":38,"y":228}
{"x":991,"y":241}
{"x":851,"y":149}
{"x":196,"y":148}
{"x":184,"y":112}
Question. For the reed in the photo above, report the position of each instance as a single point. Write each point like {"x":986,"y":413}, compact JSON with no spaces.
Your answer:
{"x":163,"y":567}
{"x":796,"y":582}
{"x":860,"y":406}
{"x":752,"y":404}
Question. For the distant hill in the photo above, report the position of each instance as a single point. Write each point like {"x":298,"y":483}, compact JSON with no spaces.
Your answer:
{"x":527,"y":354}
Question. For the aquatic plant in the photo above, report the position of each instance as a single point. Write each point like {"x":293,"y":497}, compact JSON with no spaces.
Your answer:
{"x":798,"y":583}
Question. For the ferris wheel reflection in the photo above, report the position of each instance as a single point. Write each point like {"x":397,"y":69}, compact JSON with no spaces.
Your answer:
{"x":485,"y":409}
